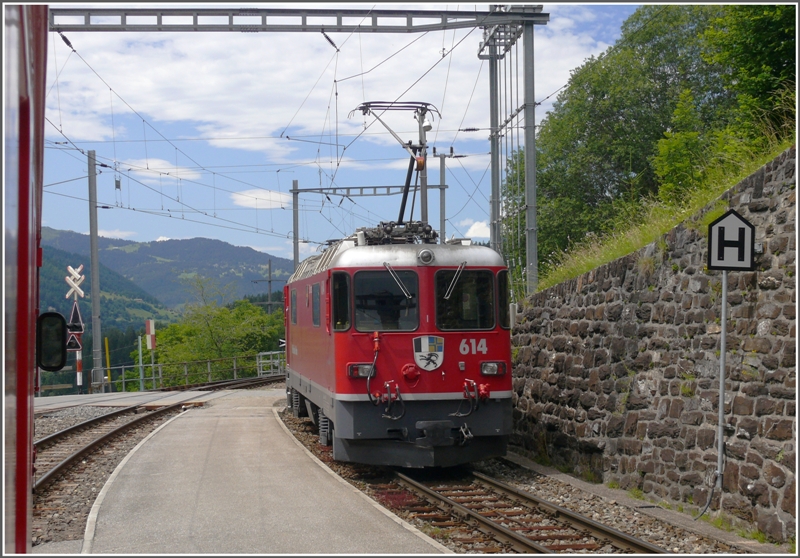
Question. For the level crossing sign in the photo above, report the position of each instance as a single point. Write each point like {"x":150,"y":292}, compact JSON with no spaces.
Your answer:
{"x":74,"y":279}
{"x":731,"y":243}
{"x":75,"y":324}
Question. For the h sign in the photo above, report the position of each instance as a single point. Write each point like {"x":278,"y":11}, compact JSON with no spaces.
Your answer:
{"x":731,"y":243}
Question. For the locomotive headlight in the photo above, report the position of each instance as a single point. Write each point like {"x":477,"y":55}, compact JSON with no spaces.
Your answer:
{"x":425,"y":257}
{"x":493,"y":368}
{"x":359,"y":370}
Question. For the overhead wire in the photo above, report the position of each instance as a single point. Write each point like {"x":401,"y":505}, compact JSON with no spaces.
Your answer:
{"x":145,"y":123}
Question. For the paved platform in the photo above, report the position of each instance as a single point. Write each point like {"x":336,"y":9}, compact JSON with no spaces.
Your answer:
{"x":228,"y":478}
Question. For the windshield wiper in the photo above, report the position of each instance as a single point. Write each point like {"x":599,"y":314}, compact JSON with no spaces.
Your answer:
{"x":453,"y":282}
{"x":397,"y":279}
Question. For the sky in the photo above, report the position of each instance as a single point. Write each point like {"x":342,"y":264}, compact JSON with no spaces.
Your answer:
{"x":201,"y":134}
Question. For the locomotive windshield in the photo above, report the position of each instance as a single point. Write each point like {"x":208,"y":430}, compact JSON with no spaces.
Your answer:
{"x":471,"y":302}
{"x":381,"y":304}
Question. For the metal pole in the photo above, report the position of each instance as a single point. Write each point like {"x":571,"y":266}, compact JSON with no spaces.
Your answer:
{"x":153,"y":366}
{"x":97,"y":353}
{"x":269,"y":282}
{"x":108,"y":367}
{"x":494,"y":215}
{"x":141,"y":366}
{"x":531,"y":240}
{"x":722,"y":351}
{"x":79,"y":370}
{"x":442,"y":233}
{"x":423,"y":175}
{"x":295,"y":219}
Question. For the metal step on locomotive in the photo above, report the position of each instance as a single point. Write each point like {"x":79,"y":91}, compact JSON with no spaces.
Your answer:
{"x":398,"y":343}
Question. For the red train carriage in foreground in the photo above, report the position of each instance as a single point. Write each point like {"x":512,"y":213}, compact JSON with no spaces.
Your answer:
{"x":399,"y":348}
{"x":29,"y":339}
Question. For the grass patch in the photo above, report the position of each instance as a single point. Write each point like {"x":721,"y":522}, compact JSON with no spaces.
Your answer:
{"x":656,"y":220}
{"x":613,"y":484}
{"x":542,"y":459}
{"x":720,"y":521}
{"x":591,"y":476}
{"x":756,"y":535}
{"x":566,"y":469}
{"x":636,"y":493}
{"x":434,"y":532}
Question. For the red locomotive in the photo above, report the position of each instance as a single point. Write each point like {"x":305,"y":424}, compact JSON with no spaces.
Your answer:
{"x":399,"y":348}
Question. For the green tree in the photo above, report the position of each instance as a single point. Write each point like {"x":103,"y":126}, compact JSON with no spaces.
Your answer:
{"x":680,"y":161}
{"x":209,"y":330}
{"x":756,"y":43}
{"x":643,"y":121}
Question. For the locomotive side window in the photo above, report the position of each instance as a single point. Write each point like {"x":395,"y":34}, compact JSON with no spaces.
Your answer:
{"x":293,"y":303}
{"x":315,"y":304}
{"x":381,"y":304}
{"x":341,"y":301}
{"x":502,"y":298}
{"x":471,"y":302}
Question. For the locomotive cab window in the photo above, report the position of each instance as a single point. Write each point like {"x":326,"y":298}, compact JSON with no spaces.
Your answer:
{"x":341,"y":301}
{"x":315,"y":304}
{"x":381,"y":303}
{"x":471,"y":301}
{"x":503,"y":293}
{"x":293,"y":303}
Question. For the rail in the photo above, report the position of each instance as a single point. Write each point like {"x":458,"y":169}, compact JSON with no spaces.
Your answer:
{"x":517,"y":520}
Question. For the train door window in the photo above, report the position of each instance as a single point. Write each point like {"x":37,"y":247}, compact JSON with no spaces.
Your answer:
{"x":341,"y":301}
{"x":471,"y":302}
{"x":315,"y":304}
{"x":381,"y":304}
{"x":293,"y":304}
{"x":503,"y":298}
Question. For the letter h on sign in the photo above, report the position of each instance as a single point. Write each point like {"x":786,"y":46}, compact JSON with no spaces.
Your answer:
{"x":731,"y":243}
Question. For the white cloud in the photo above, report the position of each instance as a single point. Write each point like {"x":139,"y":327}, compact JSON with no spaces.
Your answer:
{"x":162,"y":238}
{"x":274,"y":250}
{"x":116,"y":234}
{"x":262,"y":199}
{"x":158,"y":171}
{"x":190,"y":114}
{"x":478,"y":230}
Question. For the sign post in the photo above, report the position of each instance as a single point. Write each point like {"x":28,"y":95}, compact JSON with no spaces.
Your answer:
{"x":731,"y":244}
{"x":150,"y":334}
{"x":75,"y":324}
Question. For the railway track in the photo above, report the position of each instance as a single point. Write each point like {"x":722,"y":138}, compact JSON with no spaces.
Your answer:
{"x":487,"y":516}
{"x":242,"y":383}
{"x":58,"y":452}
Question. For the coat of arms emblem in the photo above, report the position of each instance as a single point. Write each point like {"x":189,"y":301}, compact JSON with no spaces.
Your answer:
{"x":429,"y":351}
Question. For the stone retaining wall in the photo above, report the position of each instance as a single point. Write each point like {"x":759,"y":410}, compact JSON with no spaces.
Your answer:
{"x":616,"y":372}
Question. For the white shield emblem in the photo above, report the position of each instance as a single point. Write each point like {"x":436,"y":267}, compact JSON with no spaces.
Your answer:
{"x":429,"y":351}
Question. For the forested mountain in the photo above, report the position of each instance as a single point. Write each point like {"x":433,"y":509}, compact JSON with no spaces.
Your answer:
{"x":163,"y":269}
{"x":123,"y":304}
